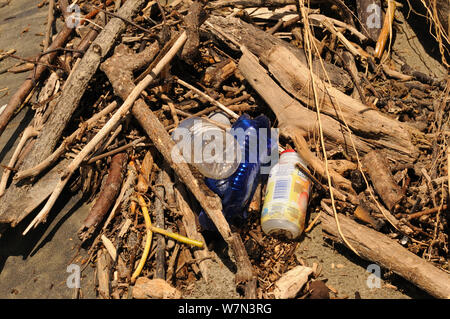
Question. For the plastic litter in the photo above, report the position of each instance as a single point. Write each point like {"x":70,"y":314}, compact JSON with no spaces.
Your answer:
{"x":237,"y":190}
{"x":212,"y":150}
{"x":286,"y":199}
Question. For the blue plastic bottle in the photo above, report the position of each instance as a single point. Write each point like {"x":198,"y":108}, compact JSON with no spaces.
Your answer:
{"x":237,"y":190}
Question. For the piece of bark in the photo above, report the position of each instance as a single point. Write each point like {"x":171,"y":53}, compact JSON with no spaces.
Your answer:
{"x":106,"y":196}
{"x":382,"y":250}
{"x":144,"y":174}
{"x":103,"y":274}
{"x":160,"y":255}
{"x":168,"y":186}
{"x":28,"y":133}
{"x":291,"y":282}
{"x":377,"y":166}
{"x":67,"y":102}
{"x":145,"y":288}
{"x":260,"y":43}
{"x":318,"y":290}
{"x":288,"y":65}
{"x":370,"y":17}
{"x":216,"y":74}
{"x":362,"y":214}
{"x":190,"y":226}
{"x":122,"y":268}
{"x":49,"y":27}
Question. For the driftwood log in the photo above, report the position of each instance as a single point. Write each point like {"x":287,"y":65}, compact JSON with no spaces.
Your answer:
{"x":66,"y":104}
{"x":160,"y":255}
{"x":289,"y":285}
{"x":382,"y":250}
{"x":106,"y":197}
{"x":370,"y":128}
{"x":260,"y":43}
{"x":377,"y":167}
{"x":290,"y":113}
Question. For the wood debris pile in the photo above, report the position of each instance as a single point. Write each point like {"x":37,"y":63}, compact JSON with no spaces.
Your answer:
{"x":108,"y":94}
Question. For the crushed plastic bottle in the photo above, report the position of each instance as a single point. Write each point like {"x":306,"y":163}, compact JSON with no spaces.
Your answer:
{"x":212,"y":150}
{"x":237,"y":190}
{"x":286,"y":199}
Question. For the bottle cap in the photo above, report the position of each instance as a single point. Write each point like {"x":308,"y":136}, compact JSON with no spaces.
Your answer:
{"x":295,"y":155}
{"x":287,"y":151}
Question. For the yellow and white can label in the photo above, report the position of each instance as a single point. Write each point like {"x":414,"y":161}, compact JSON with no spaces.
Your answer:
{"x":287,"y":195}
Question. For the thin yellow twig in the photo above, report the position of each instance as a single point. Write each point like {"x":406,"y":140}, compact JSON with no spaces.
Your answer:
{"x":177,"y":237}
{"x":148,"y":241}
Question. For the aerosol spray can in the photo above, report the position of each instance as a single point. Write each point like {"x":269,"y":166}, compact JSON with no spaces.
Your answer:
{"x":287,"y":197}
